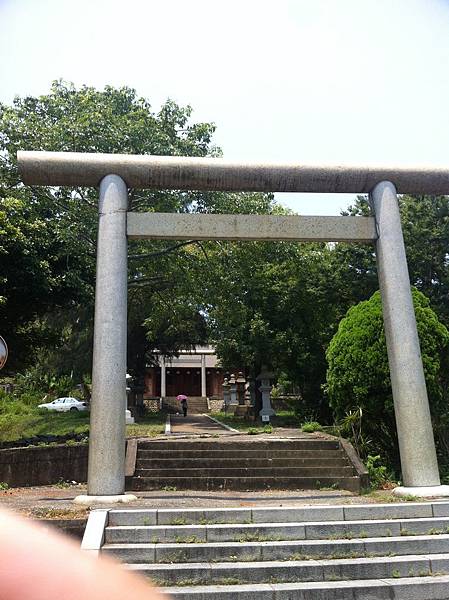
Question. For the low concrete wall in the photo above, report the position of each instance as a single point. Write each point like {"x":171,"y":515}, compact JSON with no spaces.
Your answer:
{"x":72,"y":527}
{"x":43,"y":465}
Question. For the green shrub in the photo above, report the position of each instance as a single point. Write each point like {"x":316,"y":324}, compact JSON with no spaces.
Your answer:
{"x":358,"y":376}
{"x":311,"y":426}
{"x":377,"y":473}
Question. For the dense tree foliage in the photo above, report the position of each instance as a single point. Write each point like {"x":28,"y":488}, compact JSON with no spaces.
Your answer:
{"x":261,"y":303}
{"x":48,"y":235}
{"x":358,"y":375}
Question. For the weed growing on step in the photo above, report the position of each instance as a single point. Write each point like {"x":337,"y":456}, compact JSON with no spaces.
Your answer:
{"x":363,"y":534}
{"x":226,"y":581}
{"x":178,"y":521}
{"x":299,"y":557}
{"x":435,"y":531}
{"x":190,"y":539}
{"x":311,"y":427}
{"x":180,"y":583}
{"x":338,"y":555}
{"x":332,"y":577}
{"x":329,"y":488}
{"x":59,"y":513}
{"x":4,"y":486}
{"x":257,"y":537}
{"x":146,"y":521}
{"x":169,"y":488}
{"x":174,"y":557}
{"x":395,"y":573}
{"x":274,"y":580}
{"x":204,"y":521}
{"x":63,"y":484}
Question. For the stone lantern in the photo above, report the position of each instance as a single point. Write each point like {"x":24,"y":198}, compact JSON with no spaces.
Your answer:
{"x":240,"y":382}
{"x":233,"y":390}
{"x":250,"y":392}
{"x":265,"y":388}
{"x":226,"y":393}
{"x":129,"y":419}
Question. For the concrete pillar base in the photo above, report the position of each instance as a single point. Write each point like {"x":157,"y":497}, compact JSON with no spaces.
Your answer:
{"x":426,"y":491}
{"x":119,"y":499}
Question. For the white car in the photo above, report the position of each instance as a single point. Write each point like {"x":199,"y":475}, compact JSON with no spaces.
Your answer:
{"x":65,"y":404}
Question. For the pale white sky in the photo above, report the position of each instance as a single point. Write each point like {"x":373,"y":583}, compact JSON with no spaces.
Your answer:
{"x":294,"y":80}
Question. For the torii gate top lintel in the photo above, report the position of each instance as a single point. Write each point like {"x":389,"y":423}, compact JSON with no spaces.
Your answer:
{"x":200,"y":173}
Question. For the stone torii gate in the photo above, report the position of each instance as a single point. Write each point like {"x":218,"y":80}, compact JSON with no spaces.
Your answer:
{"x":115,"y":173}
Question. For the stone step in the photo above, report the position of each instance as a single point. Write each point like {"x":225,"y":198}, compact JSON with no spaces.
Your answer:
{"x":206,"y":462}
{"x":279,"y":550}
{"x":246,"y":454}
{"x":208,"y":573}
{"x":233,"y":444}
{"x":245,"y":483}
{"x":220,"y":472}
{"x":197,"y":404}
{"x":260,"y":532}
{"x":409,"y":588}
{"x":327,"y":552}
{"x":278,"y":514}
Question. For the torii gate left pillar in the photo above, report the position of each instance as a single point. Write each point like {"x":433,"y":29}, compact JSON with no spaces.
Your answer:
{"x":107,"y":438}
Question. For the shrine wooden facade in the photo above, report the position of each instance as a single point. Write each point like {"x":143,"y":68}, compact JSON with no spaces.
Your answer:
{"x":194,"y":373}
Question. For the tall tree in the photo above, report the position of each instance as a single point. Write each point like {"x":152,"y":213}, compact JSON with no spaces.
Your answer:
{"x":48,"y":235}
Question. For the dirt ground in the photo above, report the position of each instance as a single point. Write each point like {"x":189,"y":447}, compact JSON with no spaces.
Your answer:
{"x":56,"y":501}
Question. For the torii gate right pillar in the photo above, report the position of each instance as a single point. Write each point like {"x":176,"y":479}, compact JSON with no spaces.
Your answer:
{"x":416,"y":443}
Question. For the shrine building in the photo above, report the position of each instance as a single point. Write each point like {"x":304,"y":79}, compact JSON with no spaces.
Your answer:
{"x":195,"y":373}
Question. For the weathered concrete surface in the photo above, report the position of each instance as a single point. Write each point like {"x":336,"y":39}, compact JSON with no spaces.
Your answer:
{"x":192,"y":173}
{"x":406,"y":588}
{"x":238,"y":558}
{"x":250,"y":227}
{"x":106,"y":470}
{"x":89,"y":500}
{"x":93,"y":538}
{"x":423,"y":491}
{"x":43,"y":465}
{"x":414,"y":427}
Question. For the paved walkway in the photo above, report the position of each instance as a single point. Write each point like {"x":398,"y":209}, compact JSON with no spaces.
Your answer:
{"x":196,"y":424}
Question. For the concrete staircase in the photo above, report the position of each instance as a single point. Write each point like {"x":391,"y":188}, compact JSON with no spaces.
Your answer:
{"x":308,"y":463}
{"x":317,"y":552}
{"x":197,"y":405}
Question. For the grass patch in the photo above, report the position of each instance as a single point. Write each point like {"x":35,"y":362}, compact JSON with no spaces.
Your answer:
{"x":59,"y":513}
{"x":21,"y":425}
{"x":257,"y":537}
{"x":190,"y":539}
{"x":21,"y":419}
{"x":150,"y":425}
{"x":283,"y":418}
